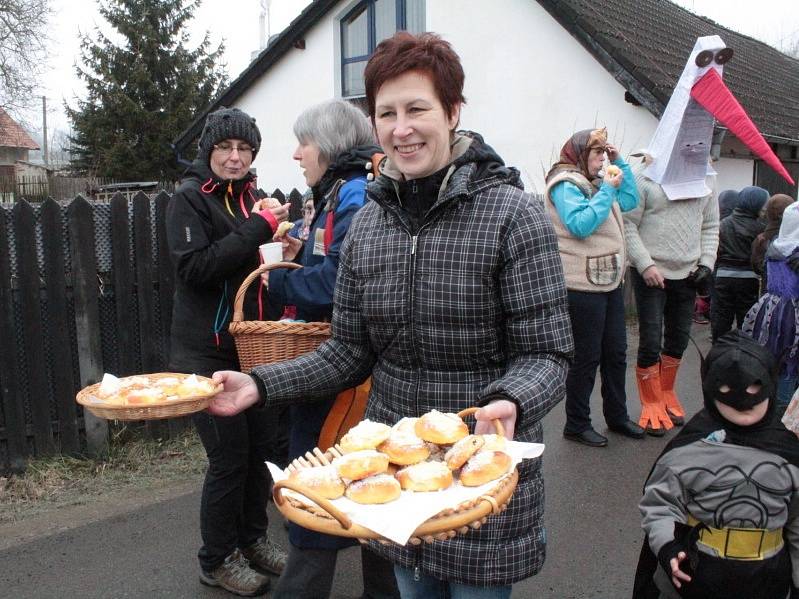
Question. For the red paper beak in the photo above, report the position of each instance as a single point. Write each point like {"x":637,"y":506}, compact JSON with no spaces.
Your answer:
{"x":715,"y":97}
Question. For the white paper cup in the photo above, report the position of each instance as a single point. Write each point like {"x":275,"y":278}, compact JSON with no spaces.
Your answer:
{"x":271,"y":252}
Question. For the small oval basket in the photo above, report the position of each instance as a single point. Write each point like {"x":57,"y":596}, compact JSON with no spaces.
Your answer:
{"x":327,"y":518}
{"x":87,"y":397}
{"x":266,"y":341}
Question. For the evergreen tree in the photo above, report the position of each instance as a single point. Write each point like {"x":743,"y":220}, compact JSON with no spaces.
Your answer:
{"x":142,"y":92}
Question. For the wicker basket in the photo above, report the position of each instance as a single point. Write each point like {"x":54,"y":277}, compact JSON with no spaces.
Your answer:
{"x":265,"y":341}
{"x":325,"y":517}
{"x":87,"y":397}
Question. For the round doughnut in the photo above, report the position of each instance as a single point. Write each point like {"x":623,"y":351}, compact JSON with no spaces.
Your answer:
{"x":364,"y":435}
{"x":493,"y":443}
{"x":484,"y":467}
{"x":441,"y":428}
{"x":360,"y":464}
{"x":457,"y":455}
{"x":380,"y":488}
{"x":612,"y":170}
{"x":404,"y":448}
{"x":324,"y":480}
{"x":425,"y":476}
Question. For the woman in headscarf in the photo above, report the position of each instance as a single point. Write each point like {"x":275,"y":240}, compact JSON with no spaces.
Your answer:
{"x":775,"y":206}
{"x":772,"y":321}
{"x":736,"y":285}
{"x":586,"y":211}
{"x":728,"y":200}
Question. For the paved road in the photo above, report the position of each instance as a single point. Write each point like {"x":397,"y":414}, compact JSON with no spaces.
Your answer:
{"x":148,"y":552}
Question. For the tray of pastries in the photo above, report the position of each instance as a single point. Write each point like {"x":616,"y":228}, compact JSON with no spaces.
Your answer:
{"x":148,"y":396}
{"x":397,"y":475}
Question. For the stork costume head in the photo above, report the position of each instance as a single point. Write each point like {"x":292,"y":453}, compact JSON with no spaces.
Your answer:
{"x":680,"y":148}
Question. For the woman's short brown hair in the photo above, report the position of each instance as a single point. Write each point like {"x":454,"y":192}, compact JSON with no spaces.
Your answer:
{"x":425,"y":52}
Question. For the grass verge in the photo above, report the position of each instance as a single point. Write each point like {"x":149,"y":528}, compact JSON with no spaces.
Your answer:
{"x":131,"y":462}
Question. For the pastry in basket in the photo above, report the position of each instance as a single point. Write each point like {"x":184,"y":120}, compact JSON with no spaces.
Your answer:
{"x":142,"y":390}
{"x":441,"y":428}
{"x":323,"y":480}
{"x":404,"y":448}
{"x":457,"y":455}
{"x":483,"y":467}
{"x":364,"y":435}
{"x":360,"y":464}
{"x":405,"y":425}
{"x":380,"y":488}
{"x":425,"y":476}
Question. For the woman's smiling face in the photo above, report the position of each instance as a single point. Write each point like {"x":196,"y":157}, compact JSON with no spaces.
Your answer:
{"x":412,"y":125}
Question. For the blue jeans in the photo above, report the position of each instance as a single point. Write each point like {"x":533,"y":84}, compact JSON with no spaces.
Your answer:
{"x":664,"y":318}
{"x":600,"y":340}
{"x":428,"y":587}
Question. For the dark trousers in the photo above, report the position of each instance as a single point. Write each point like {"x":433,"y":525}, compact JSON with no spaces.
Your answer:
{"x":309,"y":575}
{"x":600,"y":340}
{"x":732,"y":298}
{"x":237,"y":483}
{"x":664,"y":318}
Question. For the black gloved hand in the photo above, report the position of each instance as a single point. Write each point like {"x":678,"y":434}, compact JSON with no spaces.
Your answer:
{"x":669,"y":551}
{"x":700,"y":276}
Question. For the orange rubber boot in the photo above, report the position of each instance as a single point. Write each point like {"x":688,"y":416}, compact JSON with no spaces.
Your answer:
{"x":668,"y":373}
{"x":654,"y":417}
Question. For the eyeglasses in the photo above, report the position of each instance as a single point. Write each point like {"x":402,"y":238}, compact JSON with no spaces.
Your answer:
{"x":226,"y":149}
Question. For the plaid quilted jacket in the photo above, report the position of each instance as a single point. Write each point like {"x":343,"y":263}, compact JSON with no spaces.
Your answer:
{"x":470,"y":307}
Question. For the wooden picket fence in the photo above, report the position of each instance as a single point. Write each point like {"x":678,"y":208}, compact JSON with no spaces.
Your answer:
{"x":85,"y":288}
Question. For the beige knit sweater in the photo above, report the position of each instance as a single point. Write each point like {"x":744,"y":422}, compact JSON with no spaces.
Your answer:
{"x":674,"y":235}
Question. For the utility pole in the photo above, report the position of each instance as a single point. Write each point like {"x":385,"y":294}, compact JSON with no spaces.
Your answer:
{"x":44,"y":130}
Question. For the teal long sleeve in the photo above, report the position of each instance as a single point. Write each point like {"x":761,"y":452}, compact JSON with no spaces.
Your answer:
{"x":582,"y":215}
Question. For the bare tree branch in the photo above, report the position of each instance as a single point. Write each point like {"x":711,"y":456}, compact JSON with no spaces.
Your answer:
{"x":23,"y":50}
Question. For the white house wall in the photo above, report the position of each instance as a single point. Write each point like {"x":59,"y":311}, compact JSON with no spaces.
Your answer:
{"x":529,"y":86}
{"x":298,"y":80}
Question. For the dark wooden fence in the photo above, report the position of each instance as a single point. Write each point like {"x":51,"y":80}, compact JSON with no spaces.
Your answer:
{"x":85,"y":288}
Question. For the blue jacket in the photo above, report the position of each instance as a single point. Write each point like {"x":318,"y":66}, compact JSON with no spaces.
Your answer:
{"x":582,"y":216}
{"x":311,"y":287}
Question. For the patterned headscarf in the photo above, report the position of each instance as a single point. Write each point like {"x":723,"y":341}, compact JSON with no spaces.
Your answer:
{"x":574,"y":154}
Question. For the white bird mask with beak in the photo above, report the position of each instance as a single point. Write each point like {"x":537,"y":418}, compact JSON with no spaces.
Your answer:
{"x":680,"y":148}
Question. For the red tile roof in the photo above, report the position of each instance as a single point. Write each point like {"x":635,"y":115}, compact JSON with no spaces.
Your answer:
{"x":12,"y":135}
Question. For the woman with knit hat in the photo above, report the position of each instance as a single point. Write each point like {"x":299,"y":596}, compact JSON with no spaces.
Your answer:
{"x":736,"y":285}
{"x":772,"y":321}
{"x":215,"y":222}
{"x":586,"y":212}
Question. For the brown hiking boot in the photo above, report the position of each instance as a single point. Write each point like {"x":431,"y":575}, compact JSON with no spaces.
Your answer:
{"x":236,"y":576}
{"x":265,"y":556}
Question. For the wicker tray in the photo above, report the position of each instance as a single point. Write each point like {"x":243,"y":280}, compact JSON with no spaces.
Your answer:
{"x":265,"y":341}
{"x":87,"y":397}
{"x":325,"y":517}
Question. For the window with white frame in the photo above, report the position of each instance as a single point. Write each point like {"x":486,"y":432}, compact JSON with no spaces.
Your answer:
{"x":366,"y":25}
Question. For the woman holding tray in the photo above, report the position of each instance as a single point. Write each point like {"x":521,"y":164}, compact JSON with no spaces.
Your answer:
{"x":450,"y":294}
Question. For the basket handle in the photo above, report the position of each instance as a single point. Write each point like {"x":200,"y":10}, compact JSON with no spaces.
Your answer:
{"x":323,"y":503}
{"x":238,"y":303}
{"x":496,"y":421}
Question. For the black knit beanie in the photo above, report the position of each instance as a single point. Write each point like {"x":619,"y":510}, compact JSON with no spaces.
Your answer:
{"x":227,"y":123}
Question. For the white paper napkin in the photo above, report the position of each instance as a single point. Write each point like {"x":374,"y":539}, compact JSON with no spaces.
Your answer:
{"x":398,"y":519}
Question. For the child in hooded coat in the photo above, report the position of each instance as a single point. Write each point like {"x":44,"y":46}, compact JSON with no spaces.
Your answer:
{"x":774,"y":320}
{"x":721,"y":506}
{"x":736,"y":286}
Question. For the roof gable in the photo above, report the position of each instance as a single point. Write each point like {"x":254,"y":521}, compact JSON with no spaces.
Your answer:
{"x":645,"y":43}
{"x":12,"y":135}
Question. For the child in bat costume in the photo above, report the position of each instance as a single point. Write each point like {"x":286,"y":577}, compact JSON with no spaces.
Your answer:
{"x":721,"y":505}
